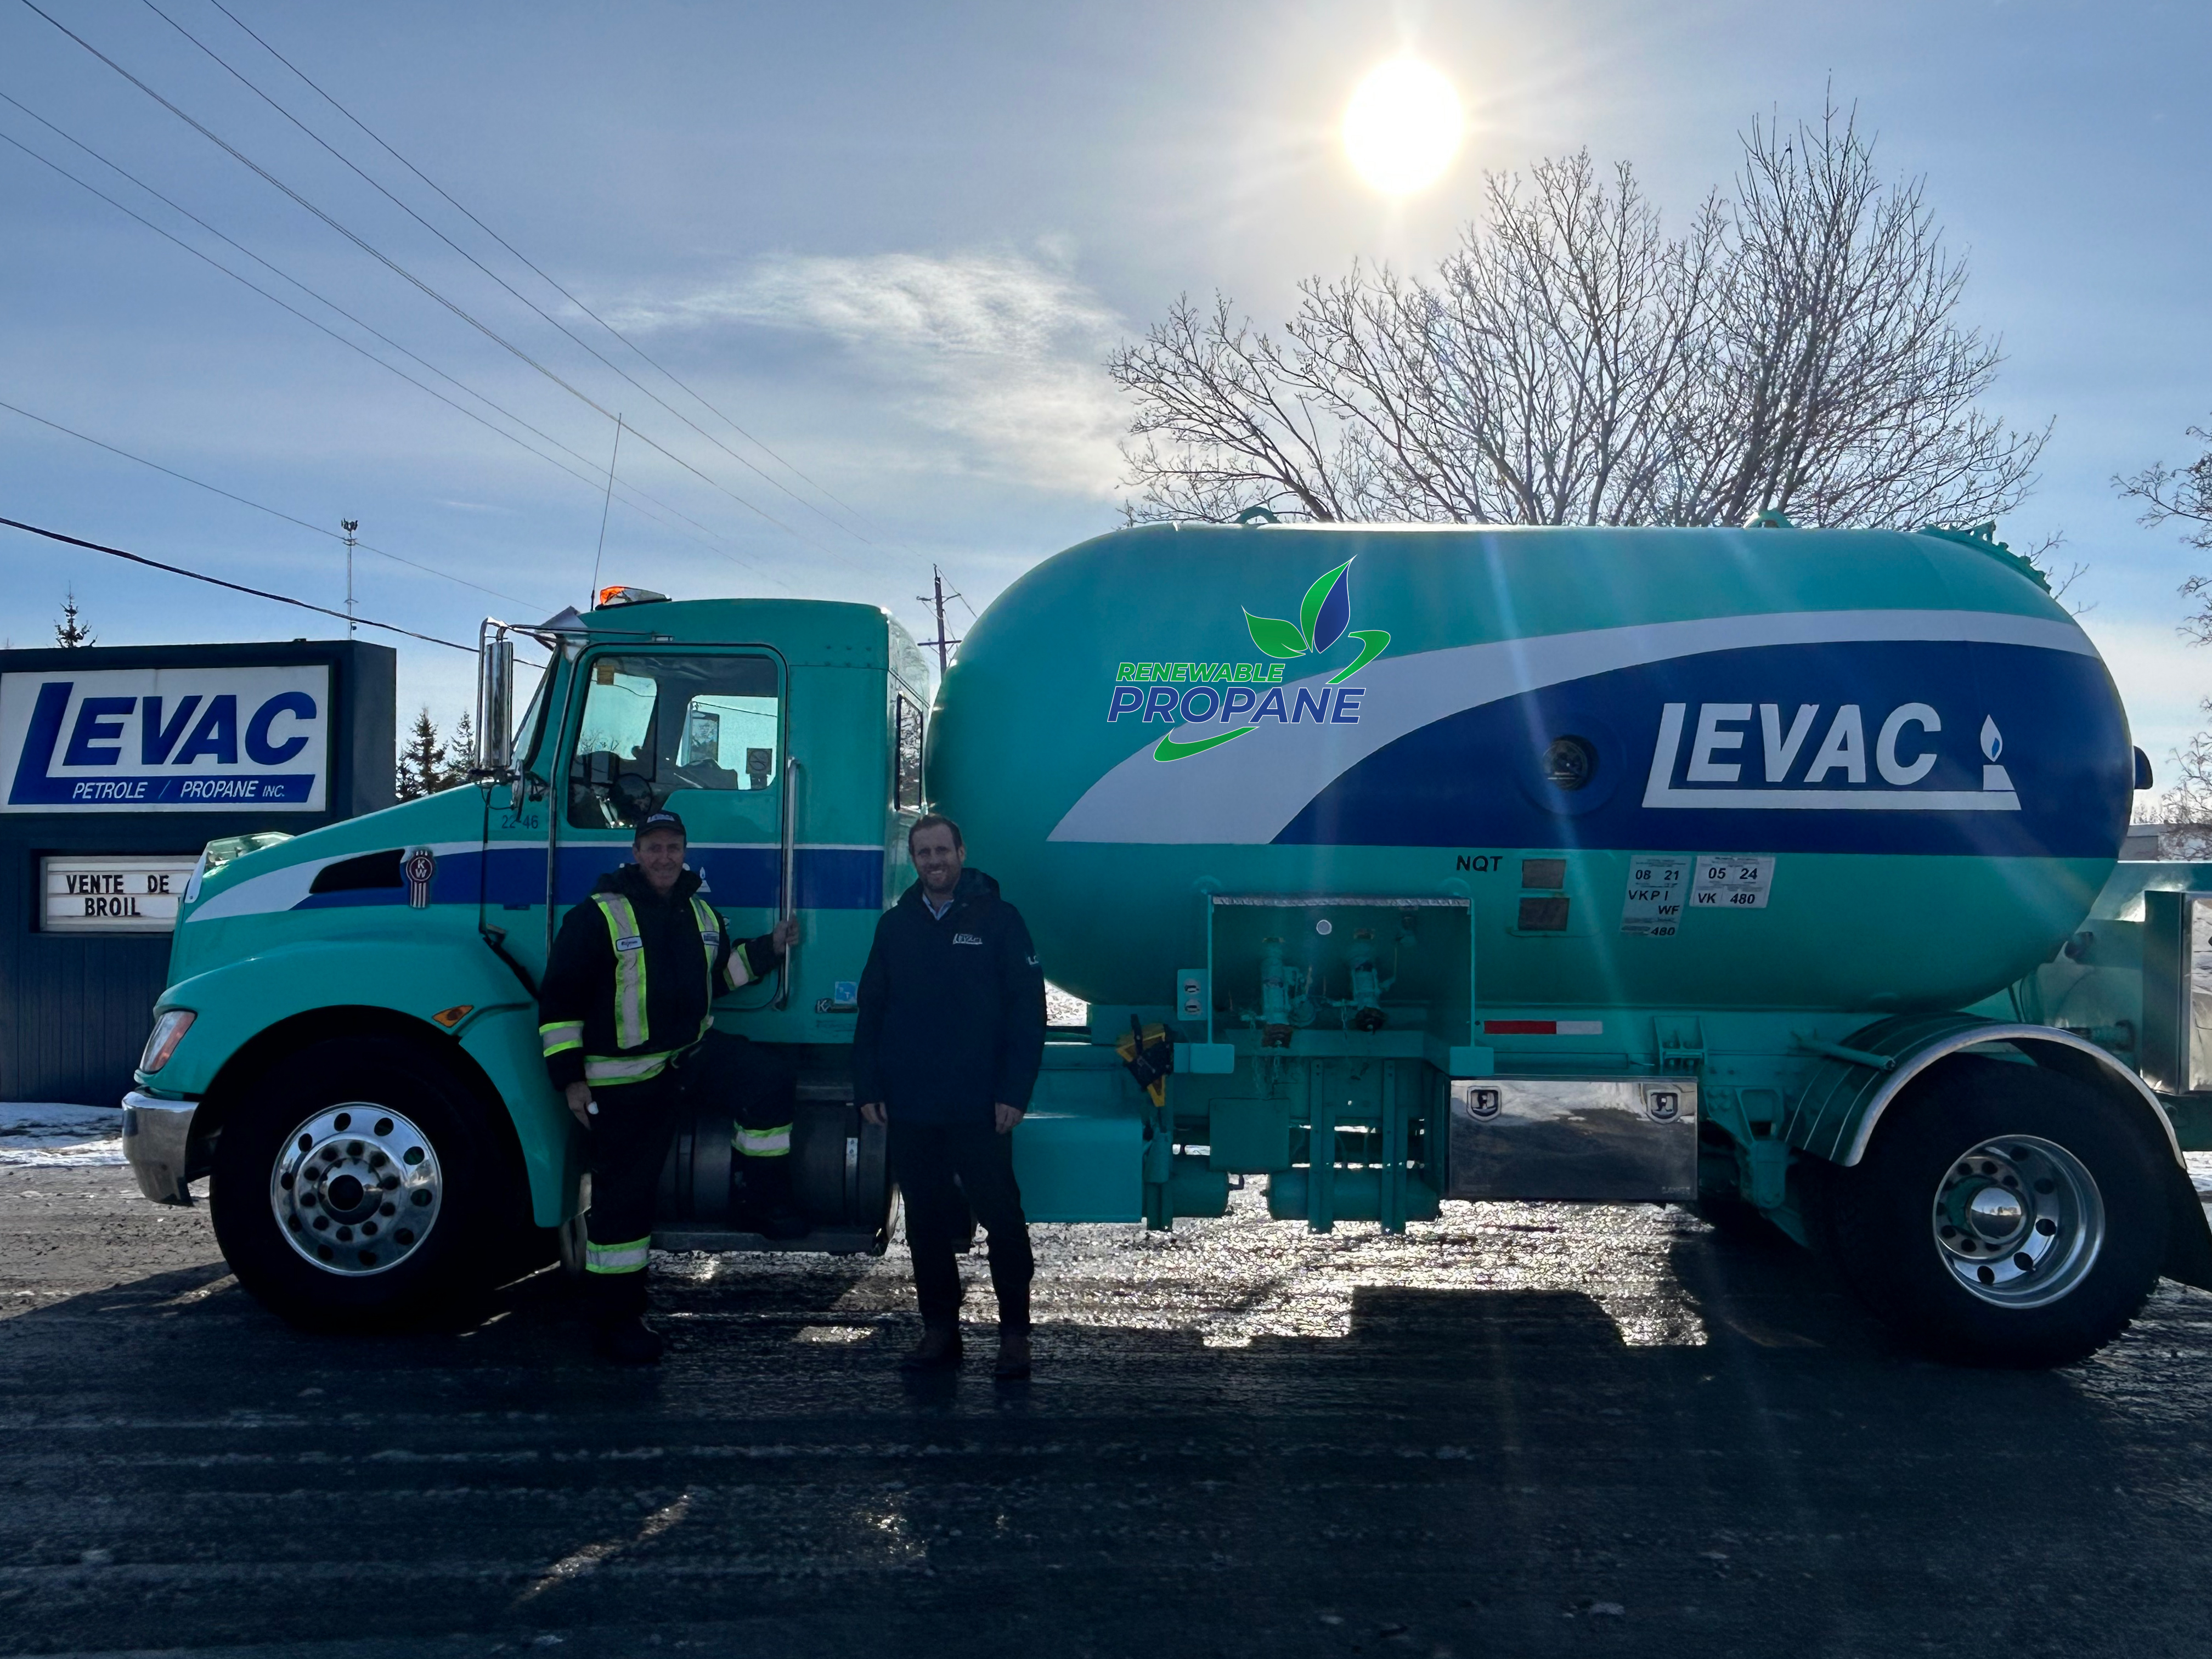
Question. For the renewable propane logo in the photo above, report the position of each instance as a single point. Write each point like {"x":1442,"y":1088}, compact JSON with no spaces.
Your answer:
{"x":1195,"y":693}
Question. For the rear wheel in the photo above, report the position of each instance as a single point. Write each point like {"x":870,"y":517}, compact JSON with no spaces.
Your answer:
{"x":361,"y":1184}
{"x":2002,"y":1215}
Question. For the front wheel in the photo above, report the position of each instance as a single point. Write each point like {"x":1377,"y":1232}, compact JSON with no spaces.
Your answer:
{"x":360,"y":1184}
{"x":2003,"y":1215}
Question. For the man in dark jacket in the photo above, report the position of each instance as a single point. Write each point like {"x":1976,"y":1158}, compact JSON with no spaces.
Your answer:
{"x":947,"y":1049}
{"x":627,"y":997}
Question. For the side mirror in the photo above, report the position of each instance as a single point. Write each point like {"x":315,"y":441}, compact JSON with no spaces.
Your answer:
{"x":494,"y":702}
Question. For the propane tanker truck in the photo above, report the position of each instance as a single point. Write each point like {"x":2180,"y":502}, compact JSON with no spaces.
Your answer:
{"x":1768,"y":872}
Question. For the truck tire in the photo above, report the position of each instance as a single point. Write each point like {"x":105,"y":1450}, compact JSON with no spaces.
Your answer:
{"x":2003,"y":1215}
{"x":359,"y":1184}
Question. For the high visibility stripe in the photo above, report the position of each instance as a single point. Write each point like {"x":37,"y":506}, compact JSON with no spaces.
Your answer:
{"x":625,"y":1068}
{"x":561,"y":1034}
{"x":762,"y":1143}
{"x":631,"y":1029}
{"x":710,"y":935}
{"x":739,"y":971}
{"x":631,"y":1258}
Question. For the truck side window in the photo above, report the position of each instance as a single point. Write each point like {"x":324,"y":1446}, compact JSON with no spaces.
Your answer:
{"x":655,"y":725}
{"x":907,"y":790}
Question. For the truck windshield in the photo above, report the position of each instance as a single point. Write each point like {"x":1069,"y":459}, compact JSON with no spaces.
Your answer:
{"x":654,"y":725}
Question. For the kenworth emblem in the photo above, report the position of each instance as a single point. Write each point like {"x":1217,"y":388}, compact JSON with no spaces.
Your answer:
{"x":422,"y":864}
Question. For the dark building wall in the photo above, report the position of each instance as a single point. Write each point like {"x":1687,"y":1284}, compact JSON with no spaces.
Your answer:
{"x":75,"y":1008}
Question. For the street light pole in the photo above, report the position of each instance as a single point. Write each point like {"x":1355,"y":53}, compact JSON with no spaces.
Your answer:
{"x":349,"y":526}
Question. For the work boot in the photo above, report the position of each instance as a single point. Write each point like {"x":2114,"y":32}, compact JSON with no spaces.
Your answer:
{"x":939,"y":1350}
{"x":628,"y":1341}
{"x":1014,"y":1364}
{"x":766,"y":1206}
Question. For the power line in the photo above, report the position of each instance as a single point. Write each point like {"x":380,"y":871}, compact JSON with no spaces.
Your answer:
{"x":376,"y":184}
{"x":587,"y":479}
{"x":548,"y":280}
{"x":243,"y":501}
{"x":400,"y":271}
{"x":235,"y":587}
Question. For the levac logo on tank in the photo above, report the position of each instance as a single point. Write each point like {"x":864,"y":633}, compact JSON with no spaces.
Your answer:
{"x":1869,"y":758}
{"x":166,"y":740}
{"x":1193,"y":693}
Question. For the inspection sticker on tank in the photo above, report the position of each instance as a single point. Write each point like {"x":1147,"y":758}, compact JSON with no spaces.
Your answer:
{"x":1653,"y":906}
{"x":1732,"y":881}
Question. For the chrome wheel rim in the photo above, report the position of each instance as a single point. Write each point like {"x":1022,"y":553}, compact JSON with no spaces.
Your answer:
{"x":356,"y":1189}
{"x":2019,"y":1221}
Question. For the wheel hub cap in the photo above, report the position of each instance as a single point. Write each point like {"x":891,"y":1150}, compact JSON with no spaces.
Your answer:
{"x":2019,"y":1221}
{"x":356,"y":1189}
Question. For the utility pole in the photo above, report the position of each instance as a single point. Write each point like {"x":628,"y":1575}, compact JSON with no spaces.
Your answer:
{"x":936,"y":600}
{"x":349,"y":526}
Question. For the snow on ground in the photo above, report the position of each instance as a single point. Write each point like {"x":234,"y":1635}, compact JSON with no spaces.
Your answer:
{"x":51,"y":1135}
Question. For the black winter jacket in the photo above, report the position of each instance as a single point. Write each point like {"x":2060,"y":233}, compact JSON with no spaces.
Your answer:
{"x":951,"y":1014}
{"x":576,"y":1002}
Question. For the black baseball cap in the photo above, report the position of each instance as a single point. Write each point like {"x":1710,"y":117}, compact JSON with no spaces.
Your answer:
{"x":661,"y":820}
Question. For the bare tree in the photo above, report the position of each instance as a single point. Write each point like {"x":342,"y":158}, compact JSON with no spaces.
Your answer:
{"x":2182,"y":493}
{"x":2185,"y":494}
{"x":2183,"y":813}
{"x":1795,"y":349}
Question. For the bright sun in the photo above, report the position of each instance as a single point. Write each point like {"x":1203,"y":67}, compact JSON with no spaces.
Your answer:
{"x":1403,"y":128}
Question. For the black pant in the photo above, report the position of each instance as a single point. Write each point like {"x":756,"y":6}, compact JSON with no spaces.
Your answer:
{"x":925,"y":1157}
{"x":628,"y":1145}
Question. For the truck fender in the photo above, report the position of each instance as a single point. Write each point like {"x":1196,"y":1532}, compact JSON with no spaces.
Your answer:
{"x":1855,"y":1081}
{"x":238,"y":1002}
{"x":314,"y":989}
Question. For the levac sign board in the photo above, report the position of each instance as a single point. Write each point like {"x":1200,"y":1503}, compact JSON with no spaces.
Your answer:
{"x":166,"y":741}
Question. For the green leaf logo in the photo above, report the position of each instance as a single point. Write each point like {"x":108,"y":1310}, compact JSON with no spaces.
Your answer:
{"x":1276,"y":637}
{"x":1326,"y":610}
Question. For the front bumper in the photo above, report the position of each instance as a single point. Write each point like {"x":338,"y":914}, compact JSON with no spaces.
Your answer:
{"x":157,"y":1144}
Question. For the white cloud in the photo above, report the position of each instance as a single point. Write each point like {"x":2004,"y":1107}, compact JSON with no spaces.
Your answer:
{"x":999,"y":353}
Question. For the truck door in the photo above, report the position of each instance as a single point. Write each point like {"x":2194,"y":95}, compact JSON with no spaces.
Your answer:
{"x":699,"y":732}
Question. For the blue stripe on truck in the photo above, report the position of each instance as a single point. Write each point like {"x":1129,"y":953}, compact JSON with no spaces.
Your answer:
{"x":736,"y":877}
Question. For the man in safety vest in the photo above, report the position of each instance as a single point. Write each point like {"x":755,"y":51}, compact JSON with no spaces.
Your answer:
{"x":627,"y":997}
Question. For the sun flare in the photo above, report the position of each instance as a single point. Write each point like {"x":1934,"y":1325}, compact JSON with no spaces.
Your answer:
{"x":1403,"y":128}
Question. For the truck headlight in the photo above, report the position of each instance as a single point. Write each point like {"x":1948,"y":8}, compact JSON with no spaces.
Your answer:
{"x":168,"y":1031}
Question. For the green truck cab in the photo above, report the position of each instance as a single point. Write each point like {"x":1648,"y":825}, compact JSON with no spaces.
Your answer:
{"x":369,"y":988}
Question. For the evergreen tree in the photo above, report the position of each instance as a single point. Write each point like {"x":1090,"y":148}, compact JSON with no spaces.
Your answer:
{"x":422,"y":762}
{"x":460,"y":752}
{"x":71,"y":631}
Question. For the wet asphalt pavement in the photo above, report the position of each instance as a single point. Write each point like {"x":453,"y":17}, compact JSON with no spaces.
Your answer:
{"x":1523,"y":1430}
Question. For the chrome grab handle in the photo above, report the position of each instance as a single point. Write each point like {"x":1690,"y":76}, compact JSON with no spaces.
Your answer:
{"x":787,"y":897}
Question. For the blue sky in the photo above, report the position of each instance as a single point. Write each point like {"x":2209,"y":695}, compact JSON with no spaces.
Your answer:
{"x":894,"y":243}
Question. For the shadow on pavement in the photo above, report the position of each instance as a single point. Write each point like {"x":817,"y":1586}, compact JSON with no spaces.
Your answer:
{"x":1459,"y":1472}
